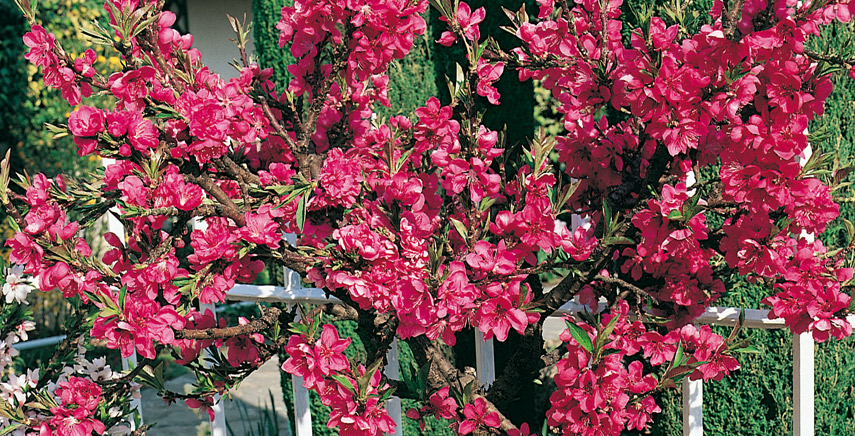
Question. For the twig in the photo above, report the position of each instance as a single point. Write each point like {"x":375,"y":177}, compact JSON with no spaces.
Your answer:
{"x":623,"y":284}
{"x":730,"y":18}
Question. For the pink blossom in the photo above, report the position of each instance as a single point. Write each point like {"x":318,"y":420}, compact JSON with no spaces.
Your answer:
{"x":467,"y":20}
{"x":487,"y":75}
{"x":477,"y":415}
{"x":85,"y":123}
{"x":41,"y":44}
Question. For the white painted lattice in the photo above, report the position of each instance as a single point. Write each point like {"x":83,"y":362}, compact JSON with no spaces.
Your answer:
{"x":803,"y":361}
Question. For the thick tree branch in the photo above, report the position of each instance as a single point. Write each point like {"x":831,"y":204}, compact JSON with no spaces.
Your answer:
{"x":210,"y":186}
{"x":443,"y":373}
{"x":265,"y":322}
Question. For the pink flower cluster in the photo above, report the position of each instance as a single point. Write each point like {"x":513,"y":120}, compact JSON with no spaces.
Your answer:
{"x":58,"y":73}
{"x":741,"y":102}
{"x":427,"y":218}
{"x":355,"y":410}
{"x":75,"y":416}
{"x":610,"y":394}
{"x":46,"y":220}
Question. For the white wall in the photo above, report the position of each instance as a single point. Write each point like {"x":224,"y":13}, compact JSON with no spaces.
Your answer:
{"x":211,"y":31}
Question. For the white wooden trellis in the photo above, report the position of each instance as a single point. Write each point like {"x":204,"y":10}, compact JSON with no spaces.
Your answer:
{"x":803,"y":360}
{"x":115,"y":226}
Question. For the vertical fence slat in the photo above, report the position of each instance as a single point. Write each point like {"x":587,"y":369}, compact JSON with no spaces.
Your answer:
{"x":693,"y":407}
{"x":485,"y":359}
{"x":302,"y":411}
{"x":302,"y":414}
{"x":803,"y":385}
{"x":218,"y":425}
{"x":136,"y":403}
{"x":393,"y":404}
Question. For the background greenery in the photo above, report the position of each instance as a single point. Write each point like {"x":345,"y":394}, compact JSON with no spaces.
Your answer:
{"x":26,"y":105}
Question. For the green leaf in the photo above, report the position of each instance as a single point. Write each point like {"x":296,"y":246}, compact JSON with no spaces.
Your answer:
{"x":11,"y":428}
{"x":604,"y":334}
{"x":301,"y":212}
{"x":580,"y":335}
{"x":619,"y":240}
{"x":123,"y":293}
{"x":345,"y":382}
{"x":385,"y":395}
{"x":461,"y":229}
{"x":675,"y":215}
{"x":747,"y":350}
{"x":678,"y":356}
{"x":850,"y":230}
{"x":403,"y":159}
{"x":607,"y":214}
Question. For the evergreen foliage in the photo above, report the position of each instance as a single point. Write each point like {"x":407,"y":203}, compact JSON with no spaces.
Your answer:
{"x":25,"y":110}
{"x":265,"y":15}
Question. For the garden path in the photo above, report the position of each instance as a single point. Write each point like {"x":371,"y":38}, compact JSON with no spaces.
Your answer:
{"x":179,"y":420}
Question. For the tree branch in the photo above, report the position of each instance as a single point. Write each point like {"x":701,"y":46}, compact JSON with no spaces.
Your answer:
{"x":210,"y":186}
{"x":623,"y":284}
{"x":445,"y":374}
{"x":266,"y":321}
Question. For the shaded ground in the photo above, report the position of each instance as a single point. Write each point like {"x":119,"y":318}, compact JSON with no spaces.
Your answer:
{"x":252,"y":397}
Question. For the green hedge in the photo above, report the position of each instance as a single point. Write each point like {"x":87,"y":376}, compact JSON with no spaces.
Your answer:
{"x":25,"y":103}
{"x":356,"y":350}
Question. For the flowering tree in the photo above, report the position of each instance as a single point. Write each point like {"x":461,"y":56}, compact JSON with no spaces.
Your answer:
{"x":680,"y":151}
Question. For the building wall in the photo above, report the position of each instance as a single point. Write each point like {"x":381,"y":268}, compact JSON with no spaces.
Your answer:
{"x":211,"y":31}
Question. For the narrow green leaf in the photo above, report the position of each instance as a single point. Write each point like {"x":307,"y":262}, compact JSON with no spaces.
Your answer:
{"x":580,"y":335}
{"x":345,"y":382}
{"x":607,"y":214}
{"x":619,"y":240}
{"x":747,"y":350}
{"x":301,"y":212}
{"x":123,"y":293}
{"x":850,"y":230}
{"x":11,"y":428}
{"x":603,"y":335}
{"x":461,"y":229}
{"x":678,"y":356}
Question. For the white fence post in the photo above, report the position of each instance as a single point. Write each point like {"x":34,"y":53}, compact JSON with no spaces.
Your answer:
{"x":803,"y":384}
{"x":485,"y":359}
{"x":218,"y":425}
{"x":302,"y":410}
{"x":302,"y":414}
{"x":693,"y":407}
{"x":393,"y":404}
